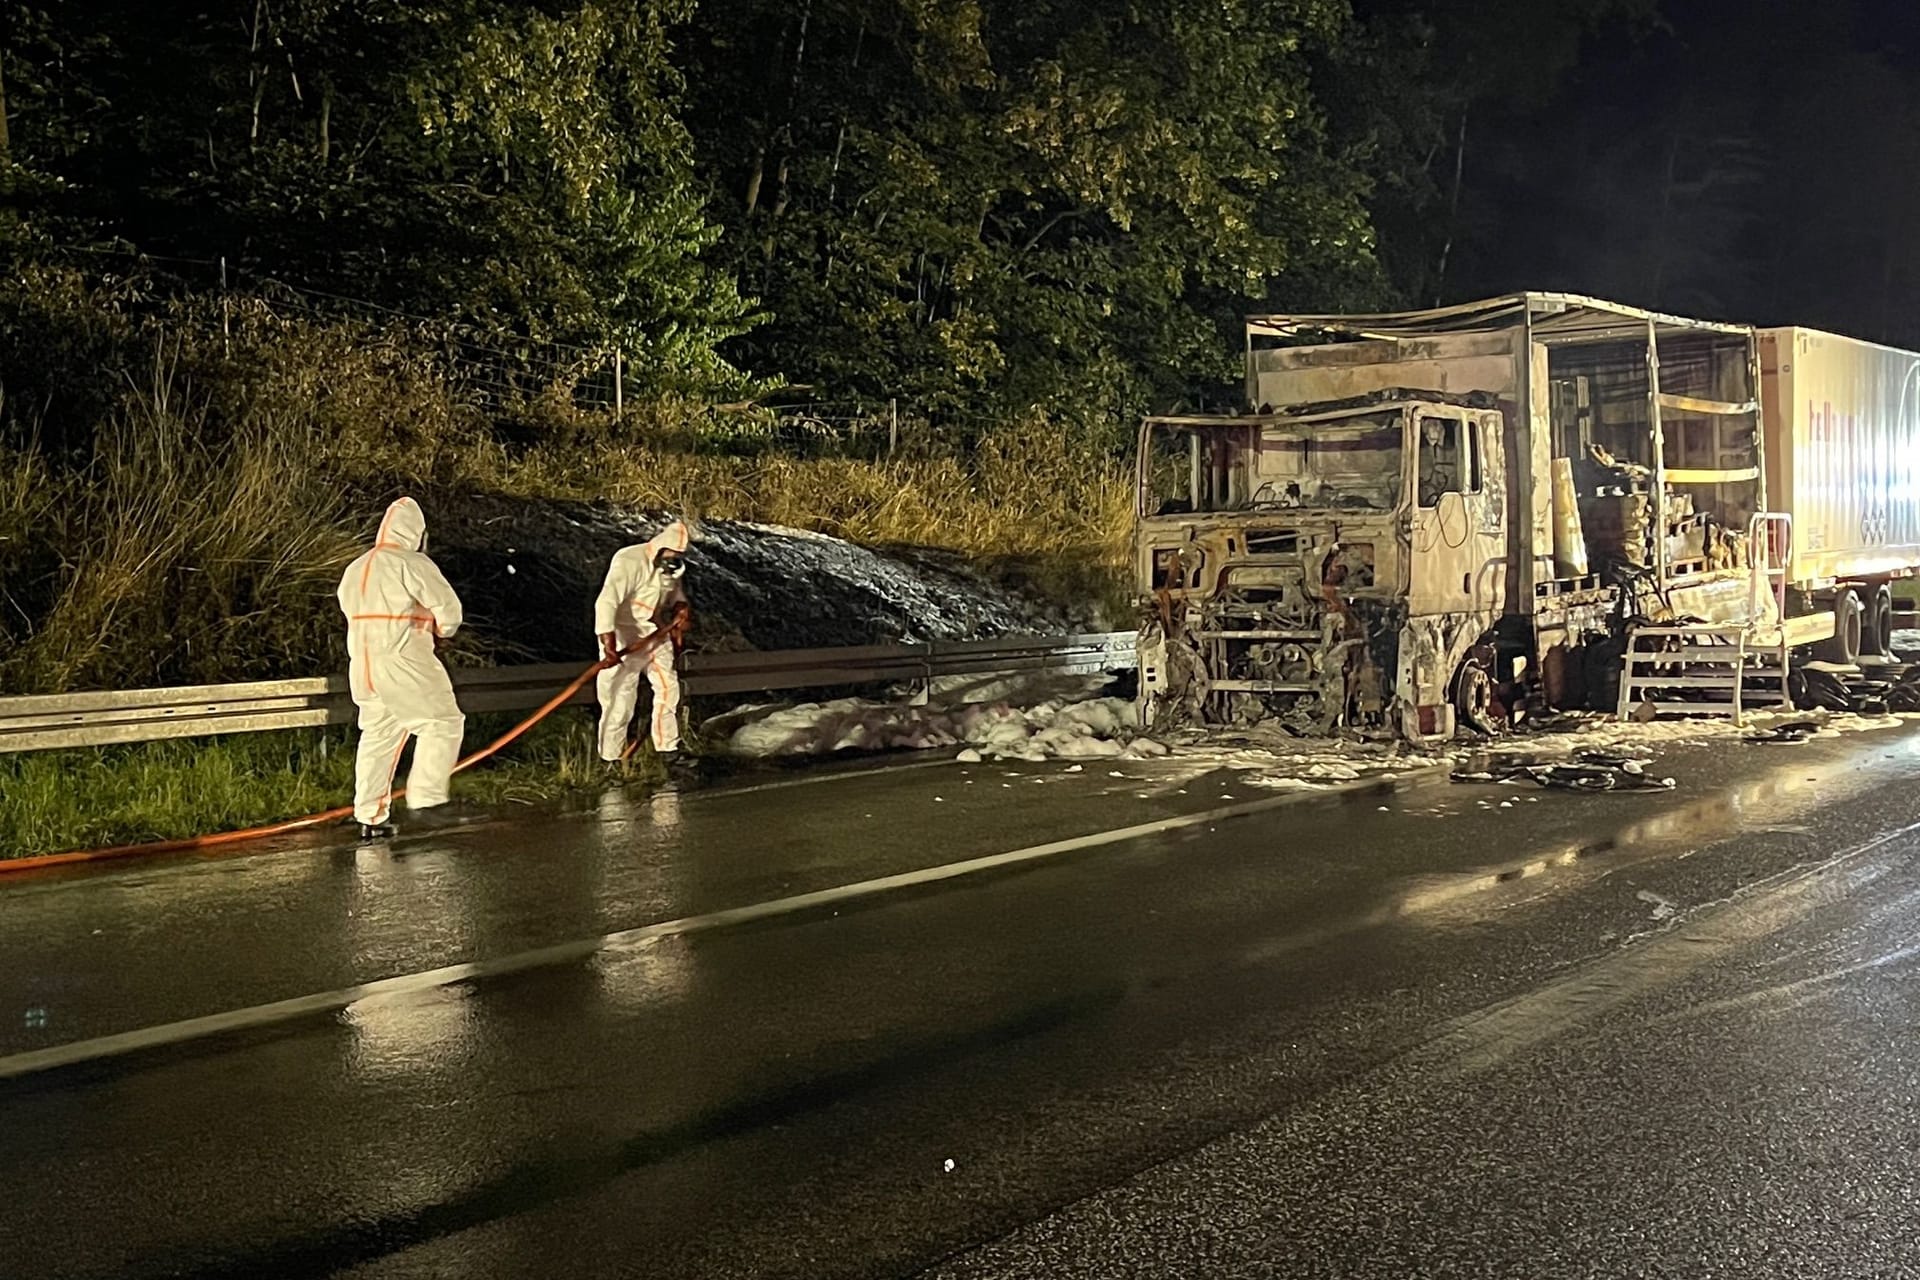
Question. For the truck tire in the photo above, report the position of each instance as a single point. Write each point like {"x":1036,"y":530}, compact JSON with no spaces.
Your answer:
{"x":1844,"y":648}
{"x":1876,"y":623}
{"x":1601,"y":657}
{"x":1473,"y":698}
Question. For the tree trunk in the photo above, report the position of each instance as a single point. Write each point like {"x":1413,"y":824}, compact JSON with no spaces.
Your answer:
{"x":1453,"y":208}
{"x":833,"y":170}
{"x":840,"y":138}
{"x":780,"y":194}
{"x":6,"y":142}
{"x":326,"y":121}
{"x":257,"y":77}
{"x":1662,"y":229}
{"x":799,"y":58}
{"x":783,"y":135}
{"x":755,"y":178}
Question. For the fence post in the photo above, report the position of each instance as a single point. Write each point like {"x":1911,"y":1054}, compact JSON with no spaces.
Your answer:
{"x":619,"y":387}
{"x":893,"y":426}
{"x":226,"y":325}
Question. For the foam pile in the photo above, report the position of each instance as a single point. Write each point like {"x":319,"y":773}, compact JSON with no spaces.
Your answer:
{"x":1097,"y":728}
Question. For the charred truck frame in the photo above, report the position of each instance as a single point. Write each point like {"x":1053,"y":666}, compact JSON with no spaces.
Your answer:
{"x":1450,"y":516}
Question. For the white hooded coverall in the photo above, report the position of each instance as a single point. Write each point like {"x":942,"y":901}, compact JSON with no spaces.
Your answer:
{"x":397,"y":601}
{"x":636,"y":602}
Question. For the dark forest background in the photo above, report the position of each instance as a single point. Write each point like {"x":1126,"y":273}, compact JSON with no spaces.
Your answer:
{"x":980,"y":206}
{"x":902,"y":271}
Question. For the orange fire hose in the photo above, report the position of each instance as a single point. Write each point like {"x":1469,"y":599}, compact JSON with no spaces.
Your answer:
{"x":15,"y":865}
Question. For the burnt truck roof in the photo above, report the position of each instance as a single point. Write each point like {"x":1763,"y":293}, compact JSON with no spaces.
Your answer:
{"x":1388,"y":395}
{"x":1269,"y":415}
{"x":1554,"y":318}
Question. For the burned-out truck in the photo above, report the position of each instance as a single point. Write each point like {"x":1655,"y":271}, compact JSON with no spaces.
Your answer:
{"x":1464,"y":515}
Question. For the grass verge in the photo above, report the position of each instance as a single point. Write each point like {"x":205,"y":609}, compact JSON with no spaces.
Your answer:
{"x":55,"y":801}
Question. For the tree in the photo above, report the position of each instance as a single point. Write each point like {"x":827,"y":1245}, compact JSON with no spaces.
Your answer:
{"x":1764,"y":170}
{"x":520,"y":167}
{"x":1465,"y":77}
{"x":986,"y":207}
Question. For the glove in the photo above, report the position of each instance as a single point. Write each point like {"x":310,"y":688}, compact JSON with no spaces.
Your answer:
{"x":681,"y":624}
{"x":609,"y":646}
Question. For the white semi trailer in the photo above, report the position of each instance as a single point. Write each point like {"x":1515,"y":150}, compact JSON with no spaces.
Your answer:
{"x":1842,"y":435}
{"x":1543,"y":499}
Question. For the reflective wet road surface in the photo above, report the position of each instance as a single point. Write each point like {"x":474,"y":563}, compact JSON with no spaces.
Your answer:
{"x":769,"y":1033}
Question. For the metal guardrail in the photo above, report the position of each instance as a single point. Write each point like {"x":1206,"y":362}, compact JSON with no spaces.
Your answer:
{"x":145,"y":715}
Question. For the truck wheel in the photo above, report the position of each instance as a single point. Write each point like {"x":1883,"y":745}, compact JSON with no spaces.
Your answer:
{"x":1473,"y":698}
{"x":1602,"y":658}
{"x":1844,"y":648}
{"x":1876,"y":623}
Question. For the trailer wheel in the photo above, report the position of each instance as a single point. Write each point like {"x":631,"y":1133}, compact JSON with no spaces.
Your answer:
{"x":1844,"y":648}
{"x":1876,"y":624}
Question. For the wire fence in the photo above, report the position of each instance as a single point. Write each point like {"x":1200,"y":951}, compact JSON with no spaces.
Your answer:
{"x":506,"y":376}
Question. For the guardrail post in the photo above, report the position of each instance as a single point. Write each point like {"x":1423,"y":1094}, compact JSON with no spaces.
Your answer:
{"x":920,"y":692}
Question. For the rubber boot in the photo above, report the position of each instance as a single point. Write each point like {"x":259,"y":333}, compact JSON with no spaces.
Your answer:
{"x":682,"y":770}
{"x":454,"y":813}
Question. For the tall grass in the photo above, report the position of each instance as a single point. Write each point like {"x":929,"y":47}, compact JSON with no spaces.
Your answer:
{"x":182,"y":550}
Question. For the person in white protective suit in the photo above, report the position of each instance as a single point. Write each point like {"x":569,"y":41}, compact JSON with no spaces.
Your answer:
{"x":643,"y":604}
{"x":398,"y":604}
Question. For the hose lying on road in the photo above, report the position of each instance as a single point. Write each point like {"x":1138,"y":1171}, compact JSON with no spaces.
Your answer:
{"x":15,"y":865}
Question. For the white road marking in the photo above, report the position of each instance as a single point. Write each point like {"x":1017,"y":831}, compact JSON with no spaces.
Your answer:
{"x":170,"y":1033}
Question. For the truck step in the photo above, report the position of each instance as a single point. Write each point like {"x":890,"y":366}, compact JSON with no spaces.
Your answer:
{"x":1702,"y":653}
{"x":1726,"y":668}
{"x":1687,"y":682}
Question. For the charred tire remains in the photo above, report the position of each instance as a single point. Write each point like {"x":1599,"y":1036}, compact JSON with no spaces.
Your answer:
{"x":1473,"y":698}
{"x":1844,"y":647}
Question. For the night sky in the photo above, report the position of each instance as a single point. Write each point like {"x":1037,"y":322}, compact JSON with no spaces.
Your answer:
{"x":1751,"y":161}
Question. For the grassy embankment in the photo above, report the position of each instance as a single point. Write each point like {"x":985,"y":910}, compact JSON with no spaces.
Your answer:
{"x":177,"y":501}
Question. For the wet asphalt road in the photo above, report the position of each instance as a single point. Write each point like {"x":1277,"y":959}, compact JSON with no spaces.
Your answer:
{"x":1389,"y":1035}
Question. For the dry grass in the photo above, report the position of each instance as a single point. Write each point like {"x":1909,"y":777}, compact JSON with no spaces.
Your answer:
{"x":1022,"y":493}
{"x":1035,"y":510}
{"x":199,"y":533}
{"x":183,"y":551}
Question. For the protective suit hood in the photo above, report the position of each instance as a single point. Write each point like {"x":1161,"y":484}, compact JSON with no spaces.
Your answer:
{"x":674,"y":537}
{"x":404,"y":528}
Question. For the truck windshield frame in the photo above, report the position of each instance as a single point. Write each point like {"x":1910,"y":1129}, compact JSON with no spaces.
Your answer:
{"x":1354,"y":463}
